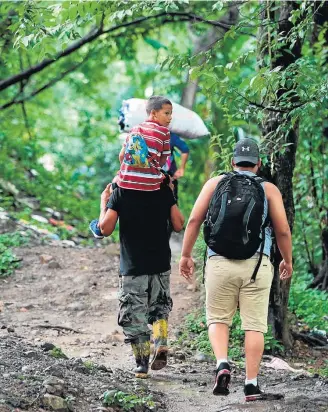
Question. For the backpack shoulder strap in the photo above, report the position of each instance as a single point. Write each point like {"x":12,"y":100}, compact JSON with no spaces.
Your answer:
{"x":260,"y":258}
{"x":267,"y":221}
{"x":226,"y":176}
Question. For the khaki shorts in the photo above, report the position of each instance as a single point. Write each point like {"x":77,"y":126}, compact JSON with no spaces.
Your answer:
{"x":228,"y":284}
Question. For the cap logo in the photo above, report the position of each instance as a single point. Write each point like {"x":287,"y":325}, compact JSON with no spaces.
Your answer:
{"x":245,"y":148}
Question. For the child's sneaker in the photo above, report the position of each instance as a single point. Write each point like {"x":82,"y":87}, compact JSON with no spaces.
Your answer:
{"x":222,"y":379}
{"x":95,"y":229}
{"x":254,"y":393}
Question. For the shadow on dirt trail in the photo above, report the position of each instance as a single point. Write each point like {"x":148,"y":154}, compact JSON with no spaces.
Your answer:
{"x":67,"y":296}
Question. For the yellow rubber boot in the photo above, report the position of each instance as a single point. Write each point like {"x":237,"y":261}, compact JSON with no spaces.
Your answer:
{"x":160,"y":333}
{"x":141,"y":353}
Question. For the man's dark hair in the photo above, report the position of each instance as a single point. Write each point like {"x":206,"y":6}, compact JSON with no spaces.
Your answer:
{"x":156,"y":103}
{"x":245,"y":164}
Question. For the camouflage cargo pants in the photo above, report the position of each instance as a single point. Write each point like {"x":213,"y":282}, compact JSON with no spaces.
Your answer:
{"x":143,"y":300}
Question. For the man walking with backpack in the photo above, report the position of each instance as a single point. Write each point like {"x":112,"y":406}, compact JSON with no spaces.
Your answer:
{"x":238,"y":210}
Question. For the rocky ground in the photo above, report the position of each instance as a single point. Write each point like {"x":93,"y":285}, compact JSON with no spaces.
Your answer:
{"x":32,"y":379}
{"x":67,"y":297}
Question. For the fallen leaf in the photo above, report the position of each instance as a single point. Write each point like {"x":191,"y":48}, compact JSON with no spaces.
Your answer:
{"x":277,"y":364}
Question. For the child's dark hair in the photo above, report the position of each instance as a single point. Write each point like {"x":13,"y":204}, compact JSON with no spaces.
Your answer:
{"x":156,"y":103}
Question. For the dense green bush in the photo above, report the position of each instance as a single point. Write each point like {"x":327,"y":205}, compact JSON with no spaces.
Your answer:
{"x":309,"y":305}
{"x":127,"y":401}
{"x":8,"y":260}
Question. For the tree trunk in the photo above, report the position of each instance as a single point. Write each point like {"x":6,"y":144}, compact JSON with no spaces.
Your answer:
{"x":281,"y":165}
{"x":320,"y":273}
{"x":203,"y":44}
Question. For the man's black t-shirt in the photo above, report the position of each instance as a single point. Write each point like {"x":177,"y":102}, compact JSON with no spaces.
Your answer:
{"x":144,"y":239}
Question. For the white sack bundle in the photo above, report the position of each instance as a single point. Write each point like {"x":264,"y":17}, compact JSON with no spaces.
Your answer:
{"x":185,"y":122}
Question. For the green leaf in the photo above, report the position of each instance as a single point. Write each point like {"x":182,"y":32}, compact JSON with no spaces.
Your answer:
{"x":276,"y":69}
{"x":155,"y":43}
{"x":263,"y":91}
{"x":253,"y":80}
{"x":195,"y":72}
{"x":218,"y":6}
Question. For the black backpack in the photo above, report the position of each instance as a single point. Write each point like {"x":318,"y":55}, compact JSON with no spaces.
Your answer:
{"x":234,"y":225}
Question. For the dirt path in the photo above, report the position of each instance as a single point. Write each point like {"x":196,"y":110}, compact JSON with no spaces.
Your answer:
{"x":71,"y":302}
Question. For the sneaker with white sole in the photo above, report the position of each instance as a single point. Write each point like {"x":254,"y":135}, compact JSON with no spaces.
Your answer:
{"x":254,"y":393}
{"x":222,"y":379}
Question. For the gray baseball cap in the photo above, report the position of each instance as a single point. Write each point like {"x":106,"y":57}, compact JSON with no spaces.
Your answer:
{"x":246,"y":150}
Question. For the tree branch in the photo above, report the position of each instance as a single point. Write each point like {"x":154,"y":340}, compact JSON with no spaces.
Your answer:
{"x":26,"y":74}
{"x":44,"y":87}
{"x":182,"y":15}
{"x":270,"y":108}
{"x":97,"y":32}
{"x":21,"y":90}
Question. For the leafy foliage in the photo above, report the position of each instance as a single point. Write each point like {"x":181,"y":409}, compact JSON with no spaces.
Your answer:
{"x":90,"y":365}
{"x":84,"y":104}
{"x":8,"y":261}
{"x":56,"y":352}
{"x":323,"y":371}
{"x":126,"y":401}
{"x":13,"y":240}
{"x":303,"y":300}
